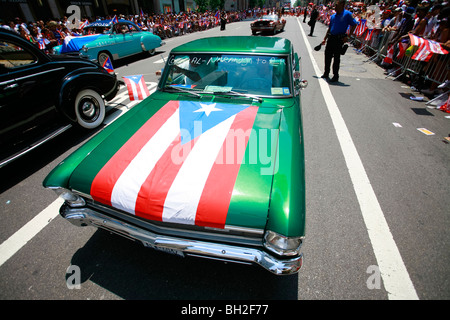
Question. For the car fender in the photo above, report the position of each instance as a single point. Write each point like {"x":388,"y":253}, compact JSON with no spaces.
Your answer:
{"x":105,"y":84}
{"x":150,"y":41}
{"x":287,"y":210}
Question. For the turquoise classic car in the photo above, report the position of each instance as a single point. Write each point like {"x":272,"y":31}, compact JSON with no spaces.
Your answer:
{"x":108,"y":39}
{"x":210,"y":165}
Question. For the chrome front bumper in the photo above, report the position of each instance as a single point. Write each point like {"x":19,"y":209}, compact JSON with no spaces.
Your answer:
{"x":86,"y":217}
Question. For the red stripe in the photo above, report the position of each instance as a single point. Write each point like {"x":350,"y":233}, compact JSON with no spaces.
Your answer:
{"x":106,"y":178}
{"x":145,"y":87}
{"x":213,"y":206}
{"x":130,"y":88}
{"x":153,"y":193}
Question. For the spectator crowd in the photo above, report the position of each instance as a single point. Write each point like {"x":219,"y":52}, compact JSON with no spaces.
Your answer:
{"x":416,"y":33}
{"x":48,"y":34}
{"x":391,"y":28}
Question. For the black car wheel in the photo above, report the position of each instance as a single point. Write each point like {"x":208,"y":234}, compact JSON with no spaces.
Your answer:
{"x":90,"y":109}
{"x":102,"y":56}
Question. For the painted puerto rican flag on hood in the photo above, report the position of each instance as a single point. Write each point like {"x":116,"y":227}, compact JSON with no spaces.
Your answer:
{"x":172,"y":169}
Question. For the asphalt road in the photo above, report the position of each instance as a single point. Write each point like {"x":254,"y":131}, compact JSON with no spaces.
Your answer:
{"x":377,"y":203}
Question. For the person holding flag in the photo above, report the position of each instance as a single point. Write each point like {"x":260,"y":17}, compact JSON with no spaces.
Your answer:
{"x":114,"y":20}
{"x":335,"y":38}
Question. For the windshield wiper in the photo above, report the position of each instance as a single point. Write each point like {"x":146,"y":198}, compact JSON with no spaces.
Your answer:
{"x":179,"y":89}
{"x":239,"y":94}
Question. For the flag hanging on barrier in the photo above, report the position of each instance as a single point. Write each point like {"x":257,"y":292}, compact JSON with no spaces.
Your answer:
{"x":369,"y":35}
{"x":137,"y":89}
{"x":390,"y":55}
{"x":402,"y":46}
{"x":426,"y":48}
{"x":361,"y":28}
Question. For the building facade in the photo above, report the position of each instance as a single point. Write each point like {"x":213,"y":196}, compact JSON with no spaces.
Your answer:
{"x":33,"y":10}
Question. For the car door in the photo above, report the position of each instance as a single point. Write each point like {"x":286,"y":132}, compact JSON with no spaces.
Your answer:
{"x":127,"y":41}
{"x":28,"y":92}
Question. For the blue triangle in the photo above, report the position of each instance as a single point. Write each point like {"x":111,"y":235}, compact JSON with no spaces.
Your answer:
{"x":196,"y":118}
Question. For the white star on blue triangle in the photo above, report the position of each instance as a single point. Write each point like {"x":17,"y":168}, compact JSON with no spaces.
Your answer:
{"x":197,"y":118}
{"x":136,"y":79}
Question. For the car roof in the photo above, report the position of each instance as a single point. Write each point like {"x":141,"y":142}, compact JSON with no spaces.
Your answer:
{"x":105,"y":23}
{"x":237,"y":44}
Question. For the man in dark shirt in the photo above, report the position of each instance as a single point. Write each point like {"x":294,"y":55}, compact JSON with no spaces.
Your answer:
{"x":336,"y":36}
{"x":313,"y":19}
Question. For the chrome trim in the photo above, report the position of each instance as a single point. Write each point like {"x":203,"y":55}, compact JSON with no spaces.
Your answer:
{"x":39,"y":73}
{"x":246,"y":237}
{"x":86,"y":217}
{"x":4,"y":162}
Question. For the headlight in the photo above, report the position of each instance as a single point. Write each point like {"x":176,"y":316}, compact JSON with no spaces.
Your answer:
{"x":69,"y":197}
{"x":281,"y":245}
{"x":84,"y":48}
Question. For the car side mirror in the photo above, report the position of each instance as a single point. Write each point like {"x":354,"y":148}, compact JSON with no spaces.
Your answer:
{"x":299,"y":83}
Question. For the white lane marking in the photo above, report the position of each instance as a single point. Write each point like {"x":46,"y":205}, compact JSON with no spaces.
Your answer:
{"x":14,"y":243}
{"x":392,"y":268}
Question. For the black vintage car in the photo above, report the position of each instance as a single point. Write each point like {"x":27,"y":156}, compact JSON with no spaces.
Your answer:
{"x":41,"y":95}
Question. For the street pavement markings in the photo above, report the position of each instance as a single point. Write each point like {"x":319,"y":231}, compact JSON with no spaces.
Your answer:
{"x":14,"y":243}
{"x":392,"y":268}
{"x":28,"y":231}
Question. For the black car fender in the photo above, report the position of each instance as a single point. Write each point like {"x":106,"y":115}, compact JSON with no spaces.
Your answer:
{"x":102,"y":82}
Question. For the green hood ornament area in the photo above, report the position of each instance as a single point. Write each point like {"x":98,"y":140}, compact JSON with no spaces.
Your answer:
{"x":210,"y":165}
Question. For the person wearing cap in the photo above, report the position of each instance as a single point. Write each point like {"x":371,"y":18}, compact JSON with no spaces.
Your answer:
{"x":336,"y":37}
{"x":432,"y":20}
{"x":406,"y":25}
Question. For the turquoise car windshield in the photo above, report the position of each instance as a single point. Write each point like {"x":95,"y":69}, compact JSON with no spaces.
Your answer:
{"x":247,"y":74}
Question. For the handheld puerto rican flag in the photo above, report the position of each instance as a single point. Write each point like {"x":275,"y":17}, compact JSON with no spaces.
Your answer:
{"x":114,"y":20}
{"x":108,"y":65}
{"x":369,"y":35}
{"x":426,"y":48}
{"x":84,"y":24}
{"x":172,"y":169}
{"x":361,"y":28}
{"x":217,"y":17}
{"x":137,"y":89}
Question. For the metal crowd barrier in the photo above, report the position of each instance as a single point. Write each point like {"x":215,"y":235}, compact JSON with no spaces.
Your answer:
{"x":437,"y":69}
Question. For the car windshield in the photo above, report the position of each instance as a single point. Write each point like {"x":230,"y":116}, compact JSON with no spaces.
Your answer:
{"x":256,"y":75}
{"x":270,"y":17}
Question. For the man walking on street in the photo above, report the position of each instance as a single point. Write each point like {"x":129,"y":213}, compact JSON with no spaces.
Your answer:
{"x":336,"y":36}
{"x":313,"y":19}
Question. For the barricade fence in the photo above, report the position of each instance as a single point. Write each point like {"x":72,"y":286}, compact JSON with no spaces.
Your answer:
{"x":376,"y":44}
{"x":401,"y":57}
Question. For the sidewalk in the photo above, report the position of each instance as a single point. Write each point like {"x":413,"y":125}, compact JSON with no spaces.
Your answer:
{"x":357,"y":65}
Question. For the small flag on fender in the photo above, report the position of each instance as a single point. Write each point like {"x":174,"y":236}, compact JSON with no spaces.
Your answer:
{"x":108,"y":65}
{"x":137,"y":89}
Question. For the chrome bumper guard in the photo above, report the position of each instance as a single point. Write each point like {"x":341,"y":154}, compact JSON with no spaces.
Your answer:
{"x":81,"y":217}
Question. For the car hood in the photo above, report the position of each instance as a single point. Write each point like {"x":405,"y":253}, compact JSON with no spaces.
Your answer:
{"x":192,"y":162}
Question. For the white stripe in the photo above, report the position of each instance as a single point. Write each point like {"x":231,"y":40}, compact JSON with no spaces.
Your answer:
{"x":184,"y":194}
{"x":142,"y":88}
{"x":393,"y":271}
{"x":28,"y":231}
{"x":134,"y":89}
{"x":127,"y":187}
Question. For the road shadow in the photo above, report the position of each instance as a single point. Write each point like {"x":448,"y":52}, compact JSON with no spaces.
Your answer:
{"x":35,"y":160}
{"x":134,"y":272}
{"x":135,"y":58}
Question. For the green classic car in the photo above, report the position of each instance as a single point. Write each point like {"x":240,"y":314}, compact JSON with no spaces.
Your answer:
{"x":210,"y":165}
{"x":113,"y":39}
